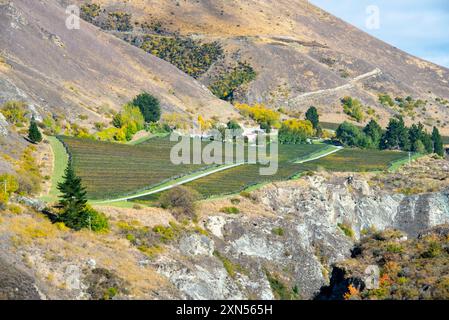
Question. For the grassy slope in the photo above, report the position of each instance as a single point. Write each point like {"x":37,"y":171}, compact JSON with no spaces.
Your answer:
{"x":60,"y":161}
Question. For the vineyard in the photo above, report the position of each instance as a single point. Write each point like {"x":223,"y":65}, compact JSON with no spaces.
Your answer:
{"x":237,"y":179}
{"x":346,"y":160}
{"x":110,"y":169}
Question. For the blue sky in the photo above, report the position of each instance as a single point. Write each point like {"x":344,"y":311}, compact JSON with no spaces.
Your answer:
{"x":419,"y":27}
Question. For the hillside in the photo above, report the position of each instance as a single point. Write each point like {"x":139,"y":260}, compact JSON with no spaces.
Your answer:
{"x":85,"y":72}
{"x":297,"y":50}
{"x":286,"y":241}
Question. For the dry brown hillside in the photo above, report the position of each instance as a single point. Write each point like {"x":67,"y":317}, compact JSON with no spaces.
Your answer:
{"x":298,"y":49}
{"x":85,"y":72}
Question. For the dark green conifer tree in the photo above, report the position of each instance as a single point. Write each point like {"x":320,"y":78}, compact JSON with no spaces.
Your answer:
{"x":34,"y":135}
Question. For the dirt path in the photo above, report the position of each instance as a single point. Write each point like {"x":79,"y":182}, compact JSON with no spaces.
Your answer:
{"x":349,"y":85}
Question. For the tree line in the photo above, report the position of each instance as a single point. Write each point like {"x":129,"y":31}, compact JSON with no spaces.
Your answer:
{"x":397,"y":136}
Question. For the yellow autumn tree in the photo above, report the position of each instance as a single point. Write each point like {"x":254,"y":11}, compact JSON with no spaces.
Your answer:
{"x":204,"y":124}
{"x":304,"y":126}
{"x":259,"y":113}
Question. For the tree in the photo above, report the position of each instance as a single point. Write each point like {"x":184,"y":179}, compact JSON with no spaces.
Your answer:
{"x":76,"y":214}
{"x":416,"y":134}
{"x":233,"y":125}
{"x":374,"y":132}
{"x":149,"y":106}
{"x":312,"y":116}
{"x":34,"y":135}
{"x":353,"y":108}
{"x":295,"y":131}
{"x":396,"y":136}
{"x":437,"y":142}
{"x":427,"y":141}
{"x":352,"y":136}
{"x":73,"y":199}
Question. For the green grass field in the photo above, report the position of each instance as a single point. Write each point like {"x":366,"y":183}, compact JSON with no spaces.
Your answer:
{"x":61,"y":160}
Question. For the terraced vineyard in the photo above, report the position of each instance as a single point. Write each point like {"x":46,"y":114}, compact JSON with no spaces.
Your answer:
{"x":110,"y":170}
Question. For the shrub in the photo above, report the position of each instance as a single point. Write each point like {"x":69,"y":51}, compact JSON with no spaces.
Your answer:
{"x":225,"y":87}
{"x":278,"y":231}
{"x":191,"y":56}
{"x":181,"y":200}
{"x":28,"y":174}
{"x":89,"y":12}
{"x":15,"y":112}
{"x":98,"y":221}
{"x":394,"y":248}
{"x":230,"y":267}
{"x":176,"y":121}
{"x":246,"y":194}
{"x":434,"y":250}
{"x":230,"y":210}
{"x":111,"y":134}
{"x":167,"y":234}
{"x":14,"y":209}
{"x":158,"y":128}
{"x":119,"y":21}
{"x":386,"y":100}
{"x":11,"y":184}
{"x":347,"y":230}
{"x":235,"y":201}
{"x":280,"y":290}
{"x":104,"y":284}
{"x":353,"y":108}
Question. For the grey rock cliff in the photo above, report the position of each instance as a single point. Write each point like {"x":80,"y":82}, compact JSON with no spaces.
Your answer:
{"x":311,"y":241}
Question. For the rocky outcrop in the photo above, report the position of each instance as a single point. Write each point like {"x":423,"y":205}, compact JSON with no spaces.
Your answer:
{"x":3,"y":125}
{"x":16,"y":284}
{"x":297,"y":244}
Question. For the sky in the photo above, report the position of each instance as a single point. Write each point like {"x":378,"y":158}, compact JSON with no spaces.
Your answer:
{"x":419,"y":27}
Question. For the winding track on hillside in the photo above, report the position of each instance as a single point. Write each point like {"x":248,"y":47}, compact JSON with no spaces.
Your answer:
{"x":205,"y":174}
{"x":376,"y":72}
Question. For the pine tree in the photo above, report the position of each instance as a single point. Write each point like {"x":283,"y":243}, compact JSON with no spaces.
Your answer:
{"x":312,"y":116}
{"x":34,"y":135}
{"x":73,"y":201}
{"x":437,"y":142}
